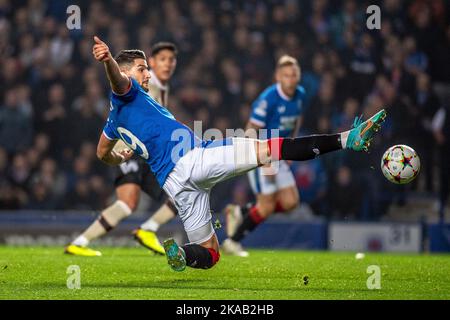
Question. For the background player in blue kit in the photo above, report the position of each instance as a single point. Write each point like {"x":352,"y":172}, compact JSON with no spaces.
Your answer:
{"x":279,"y":107}
{"x":185,"y":166}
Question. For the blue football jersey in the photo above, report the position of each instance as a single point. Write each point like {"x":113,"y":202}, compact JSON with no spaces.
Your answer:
{"x":274,"y":110}
{"x":149,"y":129}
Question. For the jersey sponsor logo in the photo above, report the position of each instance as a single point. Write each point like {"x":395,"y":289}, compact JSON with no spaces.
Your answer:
{"x":281,"y":109}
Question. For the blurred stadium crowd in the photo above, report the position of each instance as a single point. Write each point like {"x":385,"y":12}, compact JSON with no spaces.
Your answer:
{"x":54,"y":96}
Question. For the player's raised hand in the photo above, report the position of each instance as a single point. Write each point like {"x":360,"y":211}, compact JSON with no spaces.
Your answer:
{"x":100,"y":50}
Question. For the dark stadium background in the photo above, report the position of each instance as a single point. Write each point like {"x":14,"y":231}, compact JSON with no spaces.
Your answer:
{"x":54,"y":101}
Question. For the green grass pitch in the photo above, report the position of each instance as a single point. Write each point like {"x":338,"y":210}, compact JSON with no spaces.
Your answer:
{"x":134,"y":273}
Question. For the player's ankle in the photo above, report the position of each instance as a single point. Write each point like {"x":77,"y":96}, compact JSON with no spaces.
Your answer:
{"x":81,"y":241}
{"x":200,"y":257}
{"x":344,"y":137}
{"x":150,"y":225}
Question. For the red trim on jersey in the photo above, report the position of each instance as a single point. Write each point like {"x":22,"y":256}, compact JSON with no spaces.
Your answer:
{"x":214,"y":255}
{"x":275,"y":147}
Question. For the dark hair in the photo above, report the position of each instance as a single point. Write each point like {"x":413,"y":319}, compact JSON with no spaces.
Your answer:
{"x":128,"y":56}
{"x":157,"y":47}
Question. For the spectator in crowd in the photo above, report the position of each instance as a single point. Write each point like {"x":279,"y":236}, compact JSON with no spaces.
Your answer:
{"x":344,"y":195}
{"x":15,"y":123}
{"x":426,"y":105}
{"x":441,"y":131}
{"x":311,"y":179}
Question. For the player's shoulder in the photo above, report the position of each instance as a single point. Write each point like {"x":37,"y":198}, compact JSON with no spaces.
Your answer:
{"x":133,"y":86}
{"x":129,"y":97}
{"x":270,"y":93}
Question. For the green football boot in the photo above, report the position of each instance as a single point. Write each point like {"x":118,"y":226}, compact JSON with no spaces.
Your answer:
{"x":175,"y":255}
{"x":361,"y":135}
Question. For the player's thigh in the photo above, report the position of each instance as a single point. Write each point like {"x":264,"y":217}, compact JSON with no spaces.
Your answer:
{"x":130,"y":194}
{"x":288,"y":198}
{"x":195,"y":213}
{"x":222,"y":160}
{"x":287,"y":192}
{"x":128,"y":183}
{"x":262,"y":182}
{"x":192,"y":204}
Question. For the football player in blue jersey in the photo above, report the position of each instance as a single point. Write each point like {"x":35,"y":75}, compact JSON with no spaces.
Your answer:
{"x":278,"y":109}
{"x":135,"y":176}
{"x":186,"y":167}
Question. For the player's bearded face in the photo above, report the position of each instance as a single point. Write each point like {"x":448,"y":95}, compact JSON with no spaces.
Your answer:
{"x":288,"y":77}
{"x":140,"y":73}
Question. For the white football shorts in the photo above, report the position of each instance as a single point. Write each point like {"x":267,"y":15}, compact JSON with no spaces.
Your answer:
{"x":263,"y":182}
{"x":190,"y":182}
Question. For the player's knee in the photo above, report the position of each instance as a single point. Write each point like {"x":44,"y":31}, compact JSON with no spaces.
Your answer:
{"x":129,"y":194}
{"x":290,"y":204}
{"x":131,"y":202}
{"x":287,"y":200}
{"x":266,"y":208}
{"x":131,"y":199}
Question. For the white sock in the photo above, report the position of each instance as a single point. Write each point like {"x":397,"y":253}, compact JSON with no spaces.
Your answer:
{"x":81,"y":241}
{"x":150,"y":225}
{"x":344,"y":137}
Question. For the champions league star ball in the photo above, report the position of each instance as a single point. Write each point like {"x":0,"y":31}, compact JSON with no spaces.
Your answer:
{"x":400,"y":164}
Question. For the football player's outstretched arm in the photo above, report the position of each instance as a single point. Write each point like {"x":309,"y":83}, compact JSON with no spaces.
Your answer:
{"x":106,"y":153}
{"x":119,"y":81}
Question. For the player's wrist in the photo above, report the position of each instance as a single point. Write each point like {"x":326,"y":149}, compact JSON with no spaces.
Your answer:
{"x":107,"y":58}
